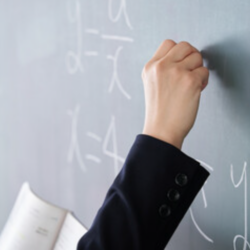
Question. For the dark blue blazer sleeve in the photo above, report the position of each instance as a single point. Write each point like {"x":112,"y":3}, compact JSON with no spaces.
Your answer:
{"x":147,"y":200}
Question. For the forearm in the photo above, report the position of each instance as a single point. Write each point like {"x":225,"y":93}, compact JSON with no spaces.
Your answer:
{"x":140,"y":211}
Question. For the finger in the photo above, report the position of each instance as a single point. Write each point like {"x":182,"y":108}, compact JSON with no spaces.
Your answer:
{"x":203,"y":73}
{"x":193,"y":61}
{"x":163,"y":49}
{"x":181,"y":51}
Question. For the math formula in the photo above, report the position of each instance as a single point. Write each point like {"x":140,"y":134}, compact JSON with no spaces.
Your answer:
{"x":75,"y":60}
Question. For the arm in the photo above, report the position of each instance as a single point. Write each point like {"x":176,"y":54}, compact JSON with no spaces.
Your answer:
{"x":158,"y":182}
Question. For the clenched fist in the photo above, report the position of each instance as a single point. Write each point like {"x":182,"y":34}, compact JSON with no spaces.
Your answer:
{"x":173,"y":80}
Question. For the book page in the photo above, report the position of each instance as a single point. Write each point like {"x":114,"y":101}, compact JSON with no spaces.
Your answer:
{"x":71,"y":232}
{"x":33,"y":223}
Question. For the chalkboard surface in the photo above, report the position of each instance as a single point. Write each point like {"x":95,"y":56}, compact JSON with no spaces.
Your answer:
{"x":72,"y":102}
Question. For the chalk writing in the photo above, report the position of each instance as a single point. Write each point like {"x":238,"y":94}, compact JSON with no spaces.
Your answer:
{"x":205,"y":165}
{"x":122,"y":10}
{"x":111,"y":137}
{"x":118,"y":38}
{"x":236,"y":185}
{"x":74,"y":148}
{"x":115,"y":79}
{"x":73,"y":59}
{"x":97,"y":139}
{"x":109,"y":37}
{"x":94,"y":136}
{"x":74,"y":64}
{"x":93,"y":158}
{"x":198,"y":228}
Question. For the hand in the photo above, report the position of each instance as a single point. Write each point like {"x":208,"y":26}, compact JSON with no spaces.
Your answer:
{"x":173,"y":80}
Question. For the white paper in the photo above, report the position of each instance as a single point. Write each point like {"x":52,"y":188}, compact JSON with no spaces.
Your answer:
{"x":33,"y":224}
{"x":70,"y":234}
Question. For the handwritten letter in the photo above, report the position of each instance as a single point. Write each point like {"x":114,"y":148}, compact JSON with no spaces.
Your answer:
{"x":122,"y":9}
{"x":74,"y":146}
{"x":73,"y":59}
{"x":236,"y":185}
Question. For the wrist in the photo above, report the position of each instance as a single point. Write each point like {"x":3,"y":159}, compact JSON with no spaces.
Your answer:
{"x":166,"y":136}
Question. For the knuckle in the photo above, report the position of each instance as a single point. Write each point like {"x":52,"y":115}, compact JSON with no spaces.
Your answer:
{"x":145,"y":69}
{"x":154,"y":69}
{"x":157,"y":69}
{"x":147,"y":66}
{"x":206,"y":71}
{"x":206,"y":74}
{"x":168,"y":42}
{"x":185,"y":44}
{"x":198,"y":58}
{"x":159,"y":66}
{"x":187,"y":47}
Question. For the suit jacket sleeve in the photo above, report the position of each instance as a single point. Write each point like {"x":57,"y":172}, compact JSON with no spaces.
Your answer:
{"x":147,"y":200}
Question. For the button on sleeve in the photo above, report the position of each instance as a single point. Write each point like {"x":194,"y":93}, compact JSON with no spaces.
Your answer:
{"x":164,"y":211}
{"x":181,"y":179}
{"x":173,"y":195}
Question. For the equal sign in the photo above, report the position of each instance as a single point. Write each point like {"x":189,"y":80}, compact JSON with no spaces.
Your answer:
{"x":110,"y":37}
{"x":93,"y":158}
{"x":94,"y":136}
{"x":118,"y":38}
{"x":90,"y":156}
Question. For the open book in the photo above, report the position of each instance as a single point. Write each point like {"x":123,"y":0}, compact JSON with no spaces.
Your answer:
{"x":35,"y":224}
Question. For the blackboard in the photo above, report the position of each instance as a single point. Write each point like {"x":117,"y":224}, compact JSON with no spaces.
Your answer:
{"x":72,"y":102}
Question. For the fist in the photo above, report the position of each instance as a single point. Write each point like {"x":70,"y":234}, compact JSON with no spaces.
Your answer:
{"x":173,"y":80}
